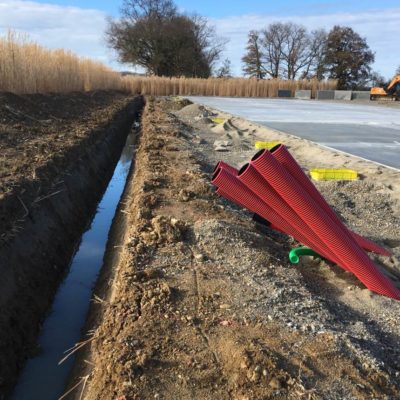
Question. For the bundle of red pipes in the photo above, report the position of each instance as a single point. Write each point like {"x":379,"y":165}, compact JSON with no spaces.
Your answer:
{"x":274,"y":186}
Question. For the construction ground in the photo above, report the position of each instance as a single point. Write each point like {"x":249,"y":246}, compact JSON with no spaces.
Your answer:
{"x":195,"y":300}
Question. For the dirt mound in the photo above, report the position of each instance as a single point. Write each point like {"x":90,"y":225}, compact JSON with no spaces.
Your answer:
{"x":230,"y":133}
{"x":194,"y":112}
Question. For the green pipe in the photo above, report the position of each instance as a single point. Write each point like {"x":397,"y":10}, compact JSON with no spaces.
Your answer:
{"x":294,"y":255}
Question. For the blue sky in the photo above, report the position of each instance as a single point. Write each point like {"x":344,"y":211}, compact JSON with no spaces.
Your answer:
{"x":221,"y":8}
{"x":79,"y":25}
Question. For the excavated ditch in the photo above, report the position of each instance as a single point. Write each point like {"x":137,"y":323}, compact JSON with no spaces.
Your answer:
{"x":62,"y":328}
{"x":38,"y":259}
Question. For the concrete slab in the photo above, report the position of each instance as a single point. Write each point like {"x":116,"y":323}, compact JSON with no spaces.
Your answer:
{"x":303,"y":94}
{"x":325,"y":95}
{"x":377,"y":144}
{"x":360,"y":95}
{"x":284,"y":93}
{"x":342,"y":95}
{"x":366,"y":130}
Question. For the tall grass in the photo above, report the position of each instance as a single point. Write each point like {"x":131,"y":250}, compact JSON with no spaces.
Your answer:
{"x":26,"y":67}
{"x":232,"y":87}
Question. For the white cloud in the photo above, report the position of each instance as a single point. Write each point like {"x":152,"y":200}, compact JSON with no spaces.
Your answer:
{"x":82,"y":30}
{"x":381,"y":28}
{"x":53,"y":26}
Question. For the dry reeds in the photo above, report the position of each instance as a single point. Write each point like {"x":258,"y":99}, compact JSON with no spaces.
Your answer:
{"x":228,"y":87}
{"x":26,"y":67}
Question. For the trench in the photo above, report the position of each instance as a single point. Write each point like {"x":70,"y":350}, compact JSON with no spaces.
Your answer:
{"x":42,"y":377}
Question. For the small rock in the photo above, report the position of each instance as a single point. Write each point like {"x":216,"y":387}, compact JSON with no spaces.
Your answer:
{"x":225,"y":306}
{"x":255,"y":377}
{"x":244,"y":364}
{"x":199,"y":257}
{"x":275,"y":384}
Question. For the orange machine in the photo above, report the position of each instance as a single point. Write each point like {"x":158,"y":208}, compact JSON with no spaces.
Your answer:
{"x":392,"y":90}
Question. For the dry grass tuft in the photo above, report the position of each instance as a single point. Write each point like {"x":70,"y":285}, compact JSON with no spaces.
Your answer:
{"x":26,"y":67}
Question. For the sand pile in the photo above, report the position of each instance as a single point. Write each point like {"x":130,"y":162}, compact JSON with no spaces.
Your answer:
{"x":195,"y":112}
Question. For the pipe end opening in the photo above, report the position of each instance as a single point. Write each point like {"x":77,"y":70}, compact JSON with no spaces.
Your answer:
{"x":216,"y":166}
{"x":243,"y":169}
{"x":258,"y":155}
{"x":276,"y":147}
{"x":216,"y":173}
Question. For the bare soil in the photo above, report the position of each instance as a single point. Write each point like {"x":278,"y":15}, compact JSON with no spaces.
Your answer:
{"x":201,"y":303}
{"x":57,"y":152}
{"x":40,"y":135}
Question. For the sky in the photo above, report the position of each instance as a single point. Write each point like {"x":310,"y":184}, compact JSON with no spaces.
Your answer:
{"x":79,"y":25}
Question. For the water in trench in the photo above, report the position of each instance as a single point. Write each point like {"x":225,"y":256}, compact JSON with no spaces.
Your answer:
{"x":42,"y":377}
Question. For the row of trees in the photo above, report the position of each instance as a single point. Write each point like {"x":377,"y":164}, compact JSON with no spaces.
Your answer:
{"x":289,"y":51}
{"x":153,"y":34}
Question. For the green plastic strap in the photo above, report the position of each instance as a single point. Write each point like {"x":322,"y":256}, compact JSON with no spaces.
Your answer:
{"x":294,"y":255}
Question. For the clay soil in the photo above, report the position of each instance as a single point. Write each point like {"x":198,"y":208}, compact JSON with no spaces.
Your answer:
{"x":201,"y":303}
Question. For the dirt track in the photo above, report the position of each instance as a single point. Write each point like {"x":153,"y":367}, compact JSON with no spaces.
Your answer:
{"x":201,"y":305}
{"x":57,"y":153}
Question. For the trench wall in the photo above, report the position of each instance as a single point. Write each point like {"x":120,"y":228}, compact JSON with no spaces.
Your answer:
{"x":35,"y":262}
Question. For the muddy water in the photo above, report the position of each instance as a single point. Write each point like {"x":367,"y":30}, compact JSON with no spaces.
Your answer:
{"x":42,"y":377}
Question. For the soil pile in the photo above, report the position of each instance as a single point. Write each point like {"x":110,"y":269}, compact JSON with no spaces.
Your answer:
{"x":195,"y":112}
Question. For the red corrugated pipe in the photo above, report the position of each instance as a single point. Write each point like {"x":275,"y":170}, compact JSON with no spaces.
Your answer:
{"x":244,"y":196}
{"x":337,"y":239}
{"x":281,"y":154}
{"x":255,"y":182}
{"x":229,"y":197}
{"x":227,"y":167}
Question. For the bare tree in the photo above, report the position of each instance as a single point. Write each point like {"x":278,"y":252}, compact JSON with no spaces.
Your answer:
{"x":273,"y":41}
{"x":225,"y":69}
{"x":295,"y":49}
{"x":253,"y":59}
{"x":315,"y":67}
{"x":398,"y":70}
{"x":154,"y":35}
{"x":134,"y":10}
{"x":377,"y":79}
{"x":207,"y":42}
{"x":285,"y":50}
